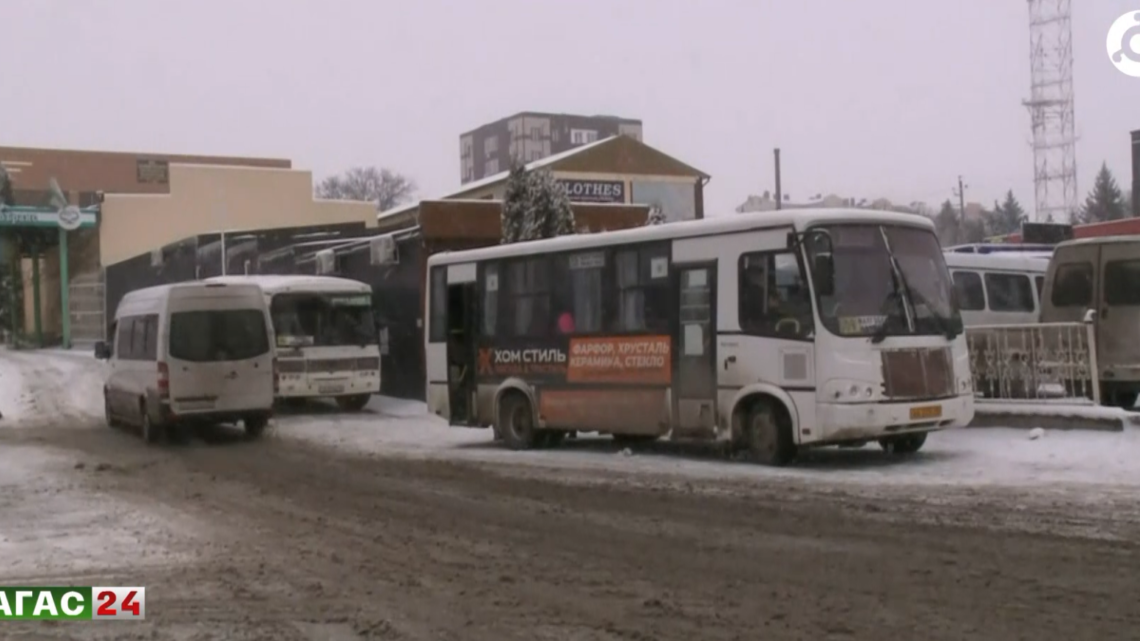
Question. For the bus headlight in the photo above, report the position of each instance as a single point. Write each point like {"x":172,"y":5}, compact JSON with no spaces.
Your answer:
{"x":849,"y":390}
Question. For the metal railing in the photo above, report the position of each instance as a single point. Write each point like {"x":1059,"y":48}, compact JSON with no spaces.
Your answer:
{"x":1034,"y":362}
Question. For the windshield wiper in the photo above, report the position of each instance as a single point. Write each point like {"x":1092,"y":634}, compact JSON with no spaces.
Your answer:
{"x":880,"y":333}
{"x":943,"y":323}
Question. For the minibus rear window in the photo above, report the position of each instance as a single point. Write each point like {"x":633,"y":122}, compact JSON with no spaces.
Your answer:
{"x":218,"y":335}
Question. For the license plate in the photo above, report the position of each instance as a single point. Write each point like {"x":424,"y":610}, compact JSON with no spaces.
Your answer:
{"x":330,"y":389}
{"x":925,"y":411}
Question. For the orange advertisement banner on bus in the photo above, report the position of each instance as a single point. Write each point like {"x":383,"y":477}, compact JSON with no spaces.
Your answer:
{"x":625,"y":359}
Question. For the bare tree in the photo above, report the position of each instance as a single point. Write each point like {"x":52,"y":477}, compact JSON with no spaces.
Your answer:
{"x":384,"y":187}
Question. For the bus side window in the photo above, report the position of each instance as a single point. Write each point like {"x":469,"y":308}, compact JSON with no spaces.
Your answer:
{"x":968,"y":287}
{"x":490,"y":298}
{"x":437,"y":305}
{"x":773,"y":298}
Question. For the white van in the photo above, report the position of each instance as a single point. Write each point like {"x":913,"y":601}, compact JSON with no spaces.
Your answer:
{"x":998,"y":288}
{"x":190,"y":353}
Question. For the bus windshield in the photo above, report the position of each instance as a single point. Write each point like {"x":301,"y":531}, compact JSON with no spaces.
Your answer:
{"x":888,"y":280}
{"x":323,"y":320}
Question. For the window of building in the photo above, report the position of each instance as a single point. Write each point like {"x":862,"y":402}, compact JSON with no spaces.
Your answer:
{"x":491,"y":167}
{"x":586,"y":275}
{"x":1072,"y":285}
{"x":437,"y":305}
{"x":536,"y":134}
{"x":528,"y":295}
{"x":642,"y":287}
{"x":1009,"y":293}
{"x":1122,"y":282}
{"x":582,"y":136}
{"x":773,"y":296}
{"x":968,"y":288}
{"x":490,"y":298}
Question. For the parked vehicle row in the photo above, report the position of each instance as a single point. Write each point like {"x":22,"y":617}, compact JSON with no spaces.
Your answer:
{"x":226,"y":349}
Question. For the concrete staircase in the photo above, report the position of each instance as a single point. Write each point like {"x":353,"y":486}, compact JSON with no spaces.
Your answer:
{"x":87,"y":309}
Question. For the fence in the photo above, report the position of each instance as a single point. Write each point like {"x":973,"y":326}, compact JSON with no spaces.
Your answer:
{"x":1034,"y":361}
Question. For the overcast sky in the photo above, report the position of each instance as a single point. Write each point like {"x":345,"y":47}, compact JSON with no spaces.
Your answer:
{"x":866,"y":98}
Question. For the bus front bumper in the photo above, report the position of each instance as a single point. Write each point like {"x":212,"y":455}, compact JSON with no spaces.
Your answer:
{"x":849,"y":422}
{"x":347,"y":384}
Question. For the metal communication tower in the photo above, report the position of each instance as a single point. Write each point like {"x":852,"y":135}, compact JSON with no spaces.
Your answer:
{"x":1051,"y":109}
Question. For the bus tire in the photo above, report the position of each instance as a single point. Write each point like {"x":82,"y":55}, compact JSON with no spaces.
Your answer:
{"x":768,"y":434}
{"x":515,"y":422}
{"x":551,"y":439}
{"x":905,"y":444}
{"x":353,"y":403}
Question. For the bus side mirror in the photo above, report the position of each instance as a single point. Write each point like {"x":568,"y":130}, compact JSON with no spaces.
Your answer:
{"x":792,"y":240}
{"x":102,"y":351}
{"x":823,"y":272}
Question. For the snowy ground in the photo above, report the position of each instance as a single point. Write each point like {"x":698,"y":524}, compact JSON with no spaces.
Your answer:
{"x":968,"y":457}
{"x":390,"y":525}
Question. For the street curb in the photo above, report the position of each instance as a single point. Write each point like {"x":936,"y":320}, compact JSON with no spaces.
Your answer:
{"x":1011,"y":418}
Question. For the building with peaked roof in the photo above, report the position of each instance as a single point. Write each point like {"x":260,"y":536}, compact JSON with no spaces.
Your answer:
{"x":615,"y":170}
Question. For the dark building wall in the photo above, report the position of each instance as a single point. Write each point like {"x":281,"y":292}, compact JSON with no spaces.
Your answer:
{"x":1136,"y":173}
{"x":396,"y":293}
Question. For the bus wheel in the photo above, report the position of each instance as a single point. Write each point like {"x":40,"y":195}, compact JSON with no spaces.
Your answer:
{"x":906,"y":444}
{"x":768,"y":438}
{"x":353,"y":403}
{"x":551,"y":438}
{"x":516,"y":423}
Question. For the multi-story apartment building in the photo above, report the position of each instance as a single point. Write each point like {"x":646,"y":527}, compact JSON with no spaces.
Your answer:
{"x":530,"y":136}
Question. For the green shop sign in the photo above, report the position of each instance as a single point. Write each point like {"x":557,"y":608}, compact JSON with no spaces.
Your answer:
{"x":68,"y":218}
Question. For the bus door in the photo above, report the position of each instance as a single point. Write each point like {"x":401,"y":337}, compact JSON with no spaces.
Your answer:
{"x":694,"y":349}
{"x":461,"y":324}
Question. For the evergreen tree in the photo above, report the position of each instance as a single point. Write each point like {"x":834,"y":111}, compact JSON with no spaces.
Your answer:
{"x":516,"y":203}
{"x":1007,"y":216}
{"x":656,"y":216}
{"x":1105,"y":201}
{"x":550,"y":213}
{"x":947,"y":224}
{"x":7,"y":197}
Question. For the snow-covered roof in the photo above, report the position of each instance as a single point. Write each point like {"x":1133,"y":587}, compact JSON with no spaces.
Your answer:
{"x":1014,"y":261}
{"x":798,"y":219}
{"x":274,"y":284}
{"x":495,"y":179}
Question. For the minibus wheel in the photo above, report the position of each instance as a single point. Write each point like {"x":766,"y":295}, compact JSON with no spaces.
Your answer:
{"x":768,"y":436}
{"x":254,"y":426}
{"x":151,"y":433}
{"x":516,"y":422}
{"x":905,"y":444}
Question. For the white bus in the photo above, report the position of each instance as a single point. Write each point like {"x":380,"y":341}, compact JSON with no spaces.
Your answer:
{"x":327,"y":343}
{"x":998,"y":288}
{"x":705,"y":329}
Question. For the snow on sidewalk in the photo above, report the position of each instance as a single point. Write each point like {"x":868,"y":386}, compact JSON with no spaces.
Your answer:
{"x":963,"y":457}
{"x":39,"y":386}
{"x":13,"y":404}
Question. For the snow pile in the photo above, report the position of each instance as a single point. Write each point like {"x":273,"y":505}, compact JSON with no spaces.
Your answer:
{"x":50,"y":386}
{"x":13,"y":404}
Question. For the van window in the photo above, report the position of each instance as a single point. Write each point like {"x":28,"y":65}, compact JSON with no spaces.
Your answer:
{"x":123,"y":338}
{"x":218,"y":335}
{"x":1122,"y":282}
{"x":150,"y":345}
{"x":1072,"y":285}
{"x":1009,"y":292}
{"x":971,"y":296}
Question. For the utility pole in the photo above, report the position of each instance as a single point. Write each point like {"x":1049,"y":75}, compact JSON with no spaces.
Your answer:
{"x":961,"y":193}
{"x":779,"y":192}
